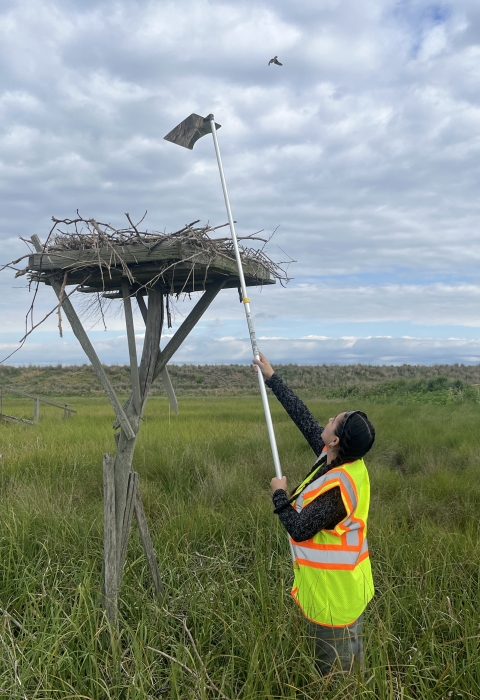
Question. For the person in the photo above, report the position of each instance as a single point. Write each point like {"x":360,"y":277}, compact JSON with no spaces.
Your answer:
{"x":326,"y":518}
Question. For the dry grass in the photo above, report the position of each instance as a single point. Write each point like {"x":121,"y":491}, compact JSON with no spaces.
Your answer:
{"x":225,"y":560}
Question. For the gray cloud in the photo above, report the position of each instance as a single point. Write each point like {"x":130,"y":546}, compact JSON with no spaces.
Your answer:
{"x":204,"y":349}
{"x":364,"y":146}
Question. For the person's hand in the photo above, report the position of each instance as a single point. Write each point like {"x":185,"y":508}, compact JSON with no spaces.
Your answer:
{"x":264,"y":365}
{"x":276,"y":484}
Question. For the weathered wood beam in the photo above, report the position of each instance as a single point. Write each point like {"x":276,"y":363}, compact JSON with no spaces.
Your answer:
{"x":125,"y":447}
{"x":87,"y":346}
{"x":123,"y":467}
{"x":130,"y":254}
{"x":190,"y":322}
{"x":110,"y":592}
{"x":9,"y":390}
{"x":167,"y":382}
{"x":181,"y":255}
{"x":148,"y":545}
{"x":132,"y":347}
{"x":127,"y":522}
{"x":153,"y":319}
{"x":12,"y":419}
{"x":177,"y":280}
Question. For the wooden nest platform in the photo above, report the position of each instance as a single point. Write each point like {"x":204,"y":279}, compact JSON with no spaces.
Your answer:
{"x":96,"y":257}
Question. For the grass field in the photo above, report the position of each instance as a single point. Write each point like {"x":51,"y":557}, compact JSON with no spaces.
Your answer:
{"x":227,"y":620}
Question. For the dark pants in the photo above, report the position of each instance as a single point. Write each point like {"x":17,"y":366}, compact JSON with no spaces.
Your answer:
{"x":337,"y":648}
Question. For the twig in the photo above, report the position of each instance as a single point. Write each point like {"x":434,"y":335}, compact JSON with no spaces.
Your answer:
{"x":215,"y":559}
{"x":14,"y":663}
{"x":146,"y":210}
{"x":176,"y":661}
{"x":49,"y":314}
{"x":135,"y":229}
{"x":14,"y":262}
{"x":19,"y":681}
{"x":212,"y":684}
{"x":13,"y":620}
{"x":190,"y":636}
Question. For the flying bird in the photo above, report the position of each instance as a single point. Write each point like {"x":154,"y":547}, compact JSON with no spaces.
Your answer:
{"x":275,"y":60}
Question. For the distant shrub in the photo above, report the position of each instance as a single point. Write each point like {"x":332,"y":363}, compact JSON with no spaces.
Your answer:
{"x":440,"y":384}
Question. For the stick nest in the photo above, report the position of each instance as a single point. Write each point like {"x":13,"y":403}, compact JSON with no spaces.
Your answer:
{"x":89,"y":235}
{"x":111,"y":251}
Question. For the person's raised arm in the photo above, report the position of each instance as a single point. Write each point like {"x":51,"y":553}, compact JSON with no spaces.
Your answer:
{"x":296,"y":409}
{"x":323,"y":513}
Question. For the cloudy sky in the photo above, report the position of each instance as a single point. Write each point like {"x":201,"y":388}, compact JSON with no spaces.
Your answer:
{"x":363,"y":149}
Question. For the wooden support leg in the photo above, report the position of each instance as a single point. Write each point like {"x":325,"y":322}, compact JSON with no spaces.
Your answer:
{"x":192,"y":319}
{"x":132,"y":348}
{"x":120,"y":483}
{"x":190,"y":322}
{"x":126,"y":448}
{"x":127,"y":520}
{"x":147,"y":545}
{"x":134,"y":505}
{"x":154,"y":322}
{"x":84,"y":341}
{"x":153,"y":318}
{"x":110,"y":539}
{"x":152,"y":364}
{"x":123,"y":468}
{"x":167,"y":383}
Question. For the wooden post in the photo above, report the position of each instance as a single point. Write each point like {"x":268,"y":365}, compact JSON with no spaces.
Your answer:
{"x":127,"y":521}
{"x":132,"y":348}
{"x":123,"y":465}
{"x":36,"y":410}
{"x":153,"y":319}
{"x":147,"y":545}
{"x":126,"y":447}
{"x":167,"y":382}
{"x":1,"y":399}
{"x":192,"y":319}
{"x":110,"y":541}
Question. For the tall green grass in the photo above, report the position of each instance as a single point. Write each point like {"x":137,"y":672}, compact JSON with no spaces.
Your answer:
{"x":227,"y":621}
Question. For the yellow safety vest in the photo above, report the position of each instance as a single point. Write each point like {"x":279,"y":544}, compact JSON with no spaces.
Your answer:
{"x":333,"y":577}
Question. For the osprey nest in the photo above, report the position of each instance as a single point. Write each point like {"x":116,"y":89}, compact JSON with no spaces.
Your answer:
{"x":95,"y":257}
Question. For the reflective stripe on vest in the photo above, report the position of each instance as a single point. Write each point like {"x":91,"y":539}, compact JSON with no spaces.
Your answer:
{"x":335,"y":475}
{"x":341,"y":548}
{"x":319,"y":462}
{"x":330,"y":557}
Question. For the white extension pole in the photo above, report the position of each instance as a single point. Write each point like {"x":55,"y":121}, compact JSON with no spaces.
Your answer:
{"x":246,"y":304}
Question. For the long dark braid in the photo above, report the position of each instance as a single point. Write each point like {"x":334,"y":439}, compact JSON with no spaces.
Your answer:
{"x":357,"y":437}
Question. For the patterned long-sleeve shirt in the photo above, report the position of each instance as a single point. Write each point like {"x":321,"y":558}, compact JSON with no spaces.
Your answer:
{"x":326,"y":511}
